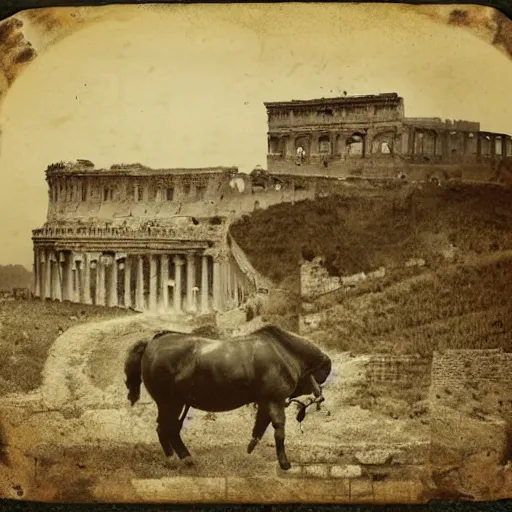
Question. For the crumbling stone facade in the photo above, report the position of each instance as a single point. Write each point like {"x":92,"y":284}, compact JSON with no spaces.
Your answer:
{"x":370,"y":136}
{"x":116,"y":237}
{"x":315,"y":279}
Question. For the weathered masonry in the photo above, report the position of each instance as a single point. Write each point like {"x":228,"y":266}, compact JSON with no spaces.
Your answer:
{"x":140,"y":258}
{"x":336,"y":135}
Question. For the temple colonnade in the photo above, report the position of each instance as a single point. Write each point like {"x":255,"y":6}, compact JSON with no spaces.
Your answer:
{"x":189,"y":282}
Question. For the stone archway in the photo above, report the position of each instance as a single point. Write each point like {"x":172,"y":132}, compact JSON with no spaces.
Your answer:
{"x":383,"y":143}
{"x":355,"y":145}
{"x":302,"y":148}
{"x":324,"y":145}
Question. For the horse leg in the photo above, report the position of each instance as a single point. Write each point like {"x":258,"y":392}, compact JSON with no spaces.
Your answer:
{"x":184,"y":415}
{"x":278,"y":419}
{"x":260,"y":426}
{"x":175,"y":424}
{"x":164,"y":434}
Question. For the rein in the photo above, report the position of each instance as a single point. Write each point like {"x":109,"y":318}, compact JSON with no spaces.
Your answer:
{"x":301,"y":414}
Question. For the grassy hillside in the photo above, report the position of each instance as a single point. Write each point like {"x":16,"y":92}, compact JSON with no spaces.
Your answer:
{"x":14,"y":276}
{"x":457,"y":306}
{"x":362,"y":233}
{"x":450,"y":303}
{"x":27,"y":330}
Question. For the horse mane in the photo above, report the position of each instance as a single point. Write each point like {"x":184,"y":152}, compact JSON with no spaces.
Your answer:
{"x":204,"y":330}
{"x":294,"y":343}
{"x":160,"y":334}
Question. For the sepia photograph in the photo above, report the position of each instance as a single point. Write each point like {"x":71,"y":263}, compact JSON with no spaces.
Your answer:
{"x":256,"y":253}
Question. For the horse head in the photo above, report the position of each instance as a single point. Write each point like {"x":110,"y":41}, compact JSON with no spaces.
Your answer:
{"x":311,"y":380}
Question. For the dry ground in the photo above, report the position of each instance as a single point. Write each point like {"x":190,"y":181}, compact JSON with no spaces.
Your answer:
{"x":27,"y":330}
{"x":83,"y":373}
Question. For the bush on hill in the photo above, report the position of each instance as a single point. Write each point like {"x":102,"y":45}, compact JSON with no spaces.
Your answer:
{"x":363,"y":233}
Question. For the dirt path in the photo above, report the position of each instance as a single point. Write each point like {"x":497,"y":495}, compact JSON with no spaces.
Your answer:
{"x":104,"y":435}
{"x":68,"y":376}
{"x":85,"y":371}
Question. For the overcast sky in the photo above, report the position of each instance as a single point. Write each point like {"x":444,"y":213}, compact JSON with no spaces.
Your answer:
{"x":184,"y":86}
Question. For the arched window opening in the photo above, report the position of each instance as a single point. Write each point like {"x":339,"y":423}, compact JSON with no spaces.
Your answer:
{"x":471,"y":144}
{"x":485,"y":144}
{"x":301,"y":149}
{"x":273,"y":145}
{"x":382,"y":144}
{"x":498,"y":146}
{"x":324,"y":144}
{"x":355,"y":145}
{"x":108,"y":193}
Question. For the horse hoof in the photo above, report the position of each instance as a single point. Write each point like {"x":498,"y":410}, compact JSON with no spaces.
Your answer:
{"x":252,"y":445}
{"x":188,"y":461}
{"x":171,"y":463}
{"x":285,"y":466}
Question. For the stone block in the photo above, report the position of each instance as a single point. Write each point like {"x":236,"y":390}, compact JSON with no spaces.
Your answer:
{"x":316,"y":470}
{"x":294,"y":472}
{"x":349,"y":471}
{"x":361,"y":489}
{"x":455,"y":436}
{"x":341,"y":489}
{"x":279,"y":490}
{"x":374,"y":456}
{"x":482,"y":475}
{"x":398,"y":491}
{"x":181,"y":489}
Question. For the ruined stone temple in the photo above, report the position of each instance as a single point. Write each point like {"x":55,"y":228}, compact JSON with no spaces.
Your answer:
{"x":370,"y":136}
{"x":138,"y":238}
{"x":157,"y":239}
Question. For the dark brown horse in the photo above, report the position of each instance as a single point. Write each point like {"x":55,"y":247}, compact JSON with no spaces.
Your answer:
{"x":268,"y":368}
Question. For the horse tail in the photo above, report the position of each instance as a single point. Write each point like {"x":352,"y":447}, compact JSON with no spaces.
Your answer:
{"x":133,"y":370}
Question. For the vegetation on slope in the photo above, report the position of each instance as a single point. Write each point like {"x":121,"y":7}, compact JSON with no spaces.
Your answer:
{"x":464,"y":303}
{"x":362,"y":233}
{"x":27,"y":330}
{"x":453,"y":307}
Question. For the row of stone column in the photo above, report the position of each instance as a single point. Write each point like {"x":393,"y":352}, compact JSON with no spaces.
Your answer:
{"x":192,"y":282}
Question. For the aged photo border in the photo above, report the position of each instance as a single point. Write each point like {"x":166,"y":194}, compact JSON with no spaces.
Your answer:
{"x":11,"y":7}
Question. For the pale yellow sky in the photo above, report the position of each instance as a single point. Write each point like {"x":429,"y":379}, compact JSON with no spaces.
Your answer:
{"x":183,"y":86}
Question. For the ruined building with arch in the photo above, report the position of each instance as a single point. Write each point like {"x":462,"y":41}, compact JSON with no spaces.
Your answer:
{"x":138,"y":238}
{"x":158,"y":239}
{"x":370,"y":136}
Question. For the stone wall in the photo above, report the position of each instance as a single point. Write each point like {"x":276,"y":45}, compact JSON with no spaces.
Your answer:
{"x":315,"y":279}
{"x":385,"y":168}
{"x":398,"y":370}
{"x":463,"y":378}
{"x":471,"y":417}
